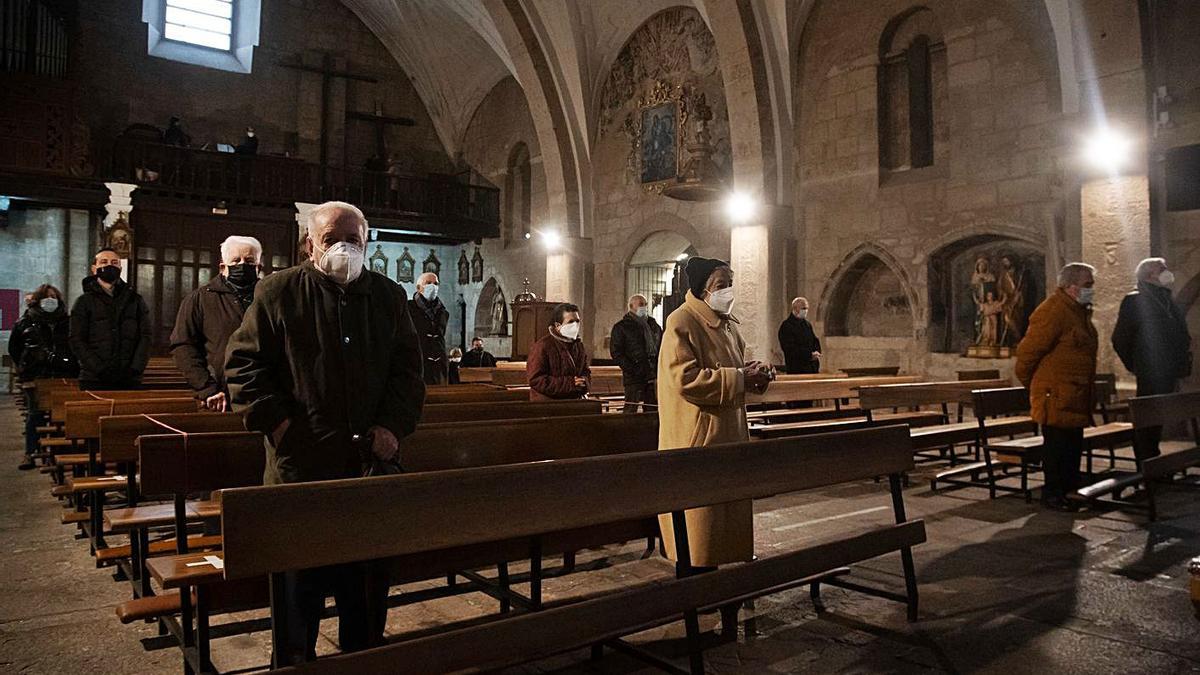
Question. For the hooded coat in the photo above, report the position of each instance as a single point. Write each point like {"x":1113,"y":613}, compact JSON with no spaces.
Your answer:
{"x":40,"y":344}
{"x":1056,"y":360}
{"x":334,"y":360}
{"x":110,"y":334}
{"x":702,"y":401}
{"x":206,"y":319}
{"x":430,"y":319}
{"x":1151,"y":338}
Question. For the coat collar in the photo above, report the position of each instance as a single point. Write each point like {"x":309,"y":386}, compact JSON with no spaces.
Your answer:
{"x":702,"y":311}
{"x":1072,"y":305}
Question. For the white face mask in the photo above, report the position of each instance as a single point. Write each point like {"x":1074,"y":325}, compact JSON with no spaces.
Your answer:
{"x":643,"y":311}
{"x":1085,"y":296}
{"x":430,"y":291}
{"x":342,"y":262}
{"x":802,"y":314}
{"x":569,"y":330}
{"x":1166,"y":278}
{"x":48,"y":305}
{"x":721,"y":301}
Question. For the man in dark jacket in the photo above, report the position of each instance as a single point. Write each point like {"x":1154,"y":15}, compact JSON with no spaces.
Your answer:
{"x":801,"y":348}
{"x":557,"y":367}
{"x":40,"y":347}
{"x":477,"y":357}
{"x":326,"y":365}
{"x":110,"y":328}
{"x":634,"y":344}
{"x":1151,"y":338}
{"x":210,"y":314}
{"x":429,"y":317}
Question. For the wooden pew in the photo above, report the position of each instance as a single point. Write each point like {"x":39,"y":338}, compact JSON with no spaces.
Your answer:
{"x":827,"y":389}
{"x":773,"y":423}
{"x":475,"y":375}
{"x":1025,"y":452}
{"x":979,"y":374}
{"x":470,"y":395}
{"x":60,"y":398}
{"x":871,"y":371}
{"x":442,"y":447}
{"x":506,"y":410}
{"x":1165,"y":410}
{"x":606,"y":380}
{"x":442,"y":511}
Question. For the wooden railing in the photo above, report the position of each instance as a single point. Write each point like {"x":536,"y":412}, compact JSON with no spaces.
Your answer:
{"x":283,"y":180}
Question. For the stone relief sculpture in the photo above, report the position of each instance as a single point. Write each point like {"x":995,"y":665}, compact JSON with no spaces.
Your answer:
{"x":499,"y":313}
{"x":404,"y":267}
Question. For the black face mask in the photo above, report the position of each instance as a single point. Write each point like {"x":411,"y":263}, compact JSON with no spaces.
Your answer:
{"x":109,"y":274}
{"x":477,"y":348}
{"x":244,"y":275}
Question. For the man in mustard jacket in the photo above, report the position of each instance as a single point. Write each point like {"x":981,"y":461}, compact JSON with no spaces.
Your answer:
{"x":1056,"y":360}
{"x":703,"y":379}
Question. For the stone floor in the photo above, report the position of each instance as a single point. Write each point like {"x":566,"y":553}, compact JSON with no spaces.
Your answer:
{"x":1005,"y":587}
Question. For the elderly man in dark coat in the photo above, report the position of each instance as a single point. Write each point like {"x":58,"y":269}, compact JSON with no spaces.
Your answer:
{"x":326,"y":365}
{"x":210,"y":314}
{"x":429,"y":317}
{"x":1151,"y":338}
{"x":634,"y":344}
{"x":799,"y":342}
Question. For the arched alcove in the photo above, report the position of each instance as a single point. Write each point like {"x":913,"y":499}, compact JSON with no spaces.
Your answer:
{"x":869,"y":299}
{"x":982,"y":290}
{"x":651,"y":267}
{"x":491,"y":311}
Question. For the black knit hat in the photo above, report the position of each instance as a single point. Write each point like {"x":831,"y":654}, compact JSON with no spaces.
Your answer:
{"x":699,"y":270}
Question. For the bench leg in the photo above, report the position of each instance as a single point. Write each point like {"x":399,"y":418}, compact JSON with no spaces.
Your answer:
{"x":502,"y":581}
{"x":991,"y":473}
{"x":1025,"y":482}
{"x":186,"y":628}
{"x":729,"y":621}
{"x":814,"y":593}
{"x":202,"y":637}
{"x":691,"y":623}
{"x":535,"y":573}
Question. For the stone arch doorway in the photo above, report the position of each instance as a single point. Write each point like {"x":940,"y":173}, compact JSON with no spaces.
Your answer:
{"x":491,"y":311}
{"x":651,"y":268}
{"x":869,"y":297}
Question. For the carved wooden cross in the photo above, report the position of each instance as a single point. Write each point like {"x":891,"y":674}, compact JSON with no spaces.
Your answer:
{"x":380,"y":122}
{"x":327,"y":73}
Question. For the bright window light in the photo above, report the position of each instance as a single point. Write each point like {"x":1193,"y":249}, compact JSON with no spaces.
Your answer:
{"x":740,"y":207}
{"x":1108,"y":150}
{"x":207,"y":23}
{"x":551,"y":240}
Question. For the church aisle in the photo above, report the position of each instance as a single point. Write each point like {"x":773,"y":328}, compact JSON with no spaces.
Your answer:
{"x":1004,"y":587}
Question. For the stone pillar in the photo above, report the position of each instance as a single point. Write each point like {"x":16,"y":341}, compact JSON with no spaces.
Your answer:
{"x":566,"y":271}
{"x":1115,"y":215}
{"x":120,"y":200}
{"x":758,"y":255}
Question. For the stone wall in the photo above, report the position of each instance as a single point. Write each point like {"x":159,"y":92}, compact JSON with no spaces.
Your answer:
{"x":999,"y":172}
{"x":122,"y":85}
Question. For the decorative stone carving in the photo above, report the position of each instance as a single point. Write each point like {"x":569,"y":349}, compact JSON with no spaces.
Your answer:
{"x":404,"y":267}
{"x":432,"y":264}
{"x":379,"y":261}
{"x":477,"y":266}
{"x":464,"y":269}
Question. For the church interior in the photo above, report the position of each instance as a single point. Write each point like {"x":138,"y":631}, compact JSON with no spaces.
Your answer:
{"x":921,"y":174}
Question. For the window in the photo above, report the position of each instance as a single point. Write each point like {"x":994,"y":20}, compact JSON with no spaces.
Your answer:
{"x":912,"y":91}
{"x":217,"y":34}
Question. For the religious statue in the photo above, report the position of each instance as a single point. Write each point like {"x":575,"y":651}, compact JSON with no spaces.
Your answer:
{"x":432,"y":264}
{"x":404,"y":267}
{"x":379,"y":261}
{"x":1000,"y":305}
{"x":477,"y":266}
{"x":1012,"y":295}
{"x":499,"y":314}
{"x":982,"y":283}
{"x":464,"y":269}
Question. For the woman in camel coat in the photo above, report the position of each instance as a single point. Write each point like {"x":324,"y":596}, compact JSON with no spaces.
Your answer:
{"x":702,"y":383}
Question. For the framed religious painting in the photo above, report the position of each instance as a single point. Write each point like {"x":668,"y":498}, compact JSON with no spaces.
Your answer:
{"x":477,"y":266}
{"x":379,"y":261}
{"x":432,"y":264}
{"x":404,"y":267}
{"x":119,"y":237}
{"x":464,"y":269}
{"x":656,"y":129}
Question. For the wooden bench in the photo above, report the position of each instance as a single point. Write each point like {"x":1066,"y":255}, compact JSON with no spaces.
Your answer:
{"x":447,"y":510}
{"x":506,"y":410}
{"x":60,"y":398}
{"x":978,"y":374}
{"x":827,"y":389}
{"x":842,"y":391}
{"x":871,"y":371}
{"x":441,"y":447}
{"x":471,"y":395}
{"x":1149,"y":412}
{"x":1026,"y":452}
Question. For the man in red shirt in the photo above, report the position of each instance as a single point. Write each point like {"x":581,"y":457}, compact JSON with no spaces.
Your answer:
{"x":557,"y":367}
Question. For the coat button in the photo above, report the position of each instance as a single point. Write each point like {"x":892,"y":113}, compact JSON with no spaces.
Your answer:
{"x":346,"y":339}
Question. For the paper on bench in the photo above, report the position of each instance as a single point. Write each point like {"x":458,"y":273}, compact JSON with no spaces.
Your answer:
{"x":213,"y":560}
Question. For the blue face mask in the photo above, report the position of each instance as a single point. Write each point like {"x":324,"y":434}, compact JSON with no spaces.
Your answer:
{"x":430,"y":292}
{"x":643,"y":312}
{"x":1086,"y":295}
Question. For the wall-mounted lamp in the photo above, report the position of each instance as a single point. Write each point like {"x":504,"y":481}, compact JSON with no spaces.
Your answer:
{"x":551,"y":240}
{"x":740,"y":208}
{"x":1107,"y":149}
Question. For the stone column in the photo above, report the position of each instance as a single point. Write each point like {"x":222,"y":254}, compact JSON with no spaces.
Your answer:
{"x":120,"y":200}
{"x":566,"y":271}
{"x":758,"y":255}
{"x":1115,"y":215}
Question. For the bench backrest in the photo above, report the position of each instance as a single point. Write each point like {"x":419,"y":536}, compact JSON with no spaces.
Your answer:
{"x":868,"y":371}
{"x":460,"y":445}
{"x":1001,"y":401}
{"x":83,"y":417}
{"x":1164,"y":409}
{"x":61,"y":397}
{"x":506,"y":410}
{"x":119,"y":434}
{"x":922,"y":393}
{"x":494,"y":394}
{"x":832,"y":388}
{"x":980,"y":374}
{"x":285,"y":527}
{"x":475,"y":375}
{"x":169,"y":464}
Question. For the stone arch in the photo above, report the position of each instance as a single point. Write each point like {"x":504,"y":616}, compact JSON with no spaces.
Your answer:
{"x":866,"y":269}
{"x":660,"y":222}
{"x":518,"y":184}
{"x":653,"y":267}
{"x":491,"y":311}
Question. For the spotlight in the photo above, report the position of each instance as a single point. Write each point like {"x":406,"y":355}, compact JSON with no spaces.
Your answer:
{"x":528,"y":235}
{"x":1107,"y":149}
{"x":740,"y":207}
{"x":551,"y":240}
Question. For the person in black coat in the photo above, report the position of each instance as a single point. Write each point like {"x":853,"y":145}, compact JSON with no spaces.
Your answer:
{"x":477,"y":357}
{"x":110,"y":328}
{"x":1151,"y":338}
{"x":634,"y":344}
{"x":429,"y":317}
{"x":800,"y":345}
{"x":40,"y":347}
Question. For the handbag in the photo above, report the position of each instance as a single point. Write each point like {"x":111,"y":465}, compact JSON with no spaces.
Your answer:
{"x":372,"y":465}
